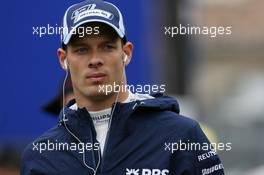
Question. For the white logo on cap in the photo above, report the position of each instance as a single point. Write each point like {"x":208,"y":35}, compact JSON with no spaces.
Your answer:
{"x":89,"y":10}
{"x":76,"y":13}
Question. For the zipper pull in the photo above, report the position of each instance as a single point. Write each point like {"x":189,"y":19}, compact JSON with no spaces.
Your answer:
{"x":137,"y":103}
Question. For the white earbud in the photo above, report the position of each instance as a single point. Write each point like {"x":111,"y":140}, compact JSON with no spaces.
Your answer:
{"x":65,"y":64}
{"x":125,"y":59}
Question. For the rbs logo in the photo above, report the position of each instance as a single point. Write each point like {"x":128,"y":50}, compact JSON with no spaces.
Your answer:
{"x":147,"y":172}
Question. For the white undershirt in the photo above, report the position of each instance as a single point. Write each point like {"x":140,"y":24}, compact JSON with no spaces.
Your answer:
{"x":101,"y":118}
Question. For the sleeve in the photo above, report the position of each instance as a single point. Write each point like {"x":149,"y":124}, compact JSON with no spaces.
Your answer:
{"x":195,"y":155}
{"x":32,"y":163}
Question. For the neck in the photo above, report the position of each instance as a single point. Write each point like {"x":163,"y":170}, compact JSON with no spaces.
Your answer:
{"x":102,"y":102}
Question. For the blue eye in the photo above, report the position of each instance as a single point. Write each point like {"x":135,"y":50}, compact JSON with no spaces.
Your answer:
{"x":82,"y":50}
{"x":109,"y":46}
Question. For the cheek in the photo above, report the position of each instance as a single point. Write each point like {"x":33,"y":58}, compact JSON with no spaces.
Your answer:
{"x":75,"y":73}
{"x":76,"y":65}
{"x":76,"y":70}
{"x":117,"y":71}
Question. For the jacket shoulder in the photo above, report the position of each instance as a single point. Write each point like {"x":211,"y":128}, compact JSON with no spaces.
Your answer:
{"x":174,"y":120}
{"x":35,"y":157}
{"x":31,"y":151}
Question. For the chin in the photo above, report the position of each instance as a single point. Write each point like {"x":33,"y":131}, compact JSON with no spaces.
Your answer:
{"x":94,"y":92}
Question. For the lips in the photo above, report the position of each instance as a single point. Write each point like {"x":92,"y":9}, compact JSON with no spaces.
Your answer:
{"x":96,"y":77}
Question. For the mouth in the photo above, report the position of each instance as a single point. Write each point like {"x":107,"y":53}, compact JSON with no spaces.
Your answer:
{"x":96,"y":77}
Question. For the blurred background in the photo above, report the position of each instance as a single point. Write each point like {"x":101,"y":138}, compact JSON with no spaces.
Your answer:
{"x":217,"y":80}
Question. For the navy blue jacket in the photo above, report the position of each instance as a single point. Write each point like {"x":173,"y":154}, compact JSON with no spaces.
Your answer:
{"x":145,"y":138}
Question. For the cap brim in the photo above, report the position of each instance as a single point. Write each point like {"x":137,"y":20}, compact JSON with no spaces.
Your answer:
{"x":69,"y":35}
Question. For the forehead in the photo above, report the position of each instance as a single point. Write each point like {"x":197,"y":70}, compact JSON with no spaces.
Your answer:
{"x":93,"y":30}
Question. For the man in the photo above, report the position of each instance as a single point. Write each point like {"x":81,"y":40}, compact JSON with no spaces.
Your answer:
{"x":119,"y":132}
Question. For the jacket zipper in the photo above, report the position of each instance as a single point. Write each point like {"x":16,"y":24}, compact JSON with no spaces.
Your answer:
{"x":93,"y":156}
{"x":93,"y":142}
{"x":91,"y":135}
{"x":107,"y":137}
{"x":92,"y":130}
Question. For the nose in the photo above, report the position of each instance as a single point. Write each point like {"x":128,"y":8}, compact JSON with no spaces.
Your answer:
{"x":95,"y":62}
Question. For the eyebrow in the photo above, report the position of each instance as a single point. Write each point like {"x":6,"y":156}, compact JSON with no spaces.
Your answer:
{"x":107,"y":40}
{"x":78,"y":44}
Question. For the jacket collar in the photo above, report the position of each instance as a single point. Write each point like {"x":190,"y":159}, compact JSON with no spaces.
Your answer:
{"x":159,"y":103}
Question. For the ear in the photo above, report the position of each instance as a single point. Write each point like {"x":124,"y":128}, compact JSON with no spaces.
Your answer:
{"x":128,"y":50}
{"x":62,"y":58}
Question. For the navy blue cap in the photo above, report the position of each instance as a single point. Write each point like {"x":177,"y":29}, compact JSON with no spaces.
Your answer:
{"x":91,"y":11}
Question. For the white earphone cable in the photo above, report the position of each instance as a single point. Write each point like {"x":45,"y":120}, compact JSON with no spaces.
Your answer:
{"x":72,"y":134}
{"x":69,"y":131}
